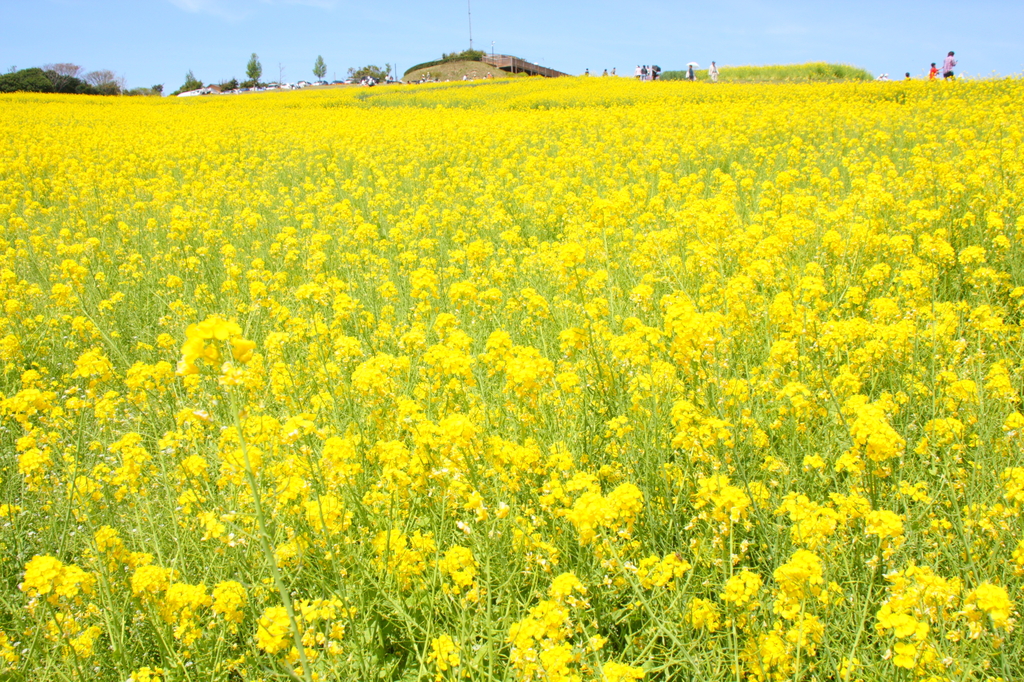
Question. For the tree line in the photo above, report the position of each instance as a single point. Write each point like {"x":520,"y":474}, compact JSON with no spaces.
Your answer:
{"x":73,"y":79}
{"x":254,"y":73}
{"x":70,"y":79}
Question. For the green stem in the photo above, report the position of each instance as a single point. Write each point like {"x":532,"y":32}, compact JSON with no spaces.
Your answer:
{"x":860,"y":631}
{"x":732,"y":621}
{"x":275,"y":572}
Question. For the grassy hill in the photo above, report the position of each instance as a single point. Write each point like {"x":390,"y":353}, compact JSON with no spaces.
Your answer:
{"x":454,"y":71}
{"x":778,"y":73}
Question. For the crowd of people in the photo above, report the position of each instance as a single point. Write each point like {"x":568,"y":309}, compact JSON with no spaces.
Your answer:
{"x":948,"y":64}
{"x":647,"y":73}
{"x":644,"y":72}
{"x":651,"y":73}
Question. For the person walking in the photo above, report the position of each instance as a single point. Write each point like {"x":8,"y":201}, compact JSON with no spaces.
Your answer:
{"x":947,"y":66}
{"x":713,"y":72}
{"x":933,"y":72}
{"x":690,"y":76}
{"x":637,"y":73}
{"x":643,"y":73}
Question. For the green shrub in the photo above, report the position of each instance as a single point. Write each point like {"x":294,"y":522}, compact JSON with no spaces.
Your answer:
{"x":142,"y":92}
{"x":371,"y":70}
{"x":26,"y":80}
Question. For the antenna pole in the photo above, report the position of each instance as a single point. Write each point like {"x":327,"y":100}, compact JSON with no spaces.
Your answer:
{"x":469,"y":12}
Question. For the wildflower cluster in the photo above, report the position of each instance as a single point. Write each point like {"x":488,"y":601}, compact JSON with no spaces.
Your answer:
{"x":514,"y":381}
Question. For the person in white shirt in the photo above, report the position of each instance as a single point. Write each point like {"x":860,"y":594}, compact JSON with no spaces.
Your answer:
{"x":713,"y":73}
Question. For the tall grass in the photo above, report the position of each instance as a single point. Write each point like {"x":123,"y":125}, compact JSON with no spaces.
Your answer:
{"x":774,"y":73}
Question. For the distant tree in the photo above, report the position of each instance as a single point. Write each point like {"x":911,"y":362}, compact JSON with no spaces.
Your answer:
{"x":254,"y":69}
{"x":64,"y":83}
{"x":26,"y":80}
{"x":319,"y":68}
{"x":64,"y":69}
{"x":372,"y":70}
{"x":64,"y":76}
{"x":98,"y":78}
{"x":106,"y":81}
{"x":158,"y":88}
{"x":191,"y":83}
{"x":228,"y":85}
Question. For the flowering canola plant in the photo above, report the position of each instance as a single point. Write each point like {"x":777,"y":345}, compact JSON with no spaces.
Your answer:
{"x":579,"y":379}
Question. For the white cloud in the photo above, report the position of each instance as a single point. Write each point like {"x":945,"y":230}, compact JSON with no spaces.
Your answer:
{"x":215,"y":8}
{"x":322,"y":4}
{"x":234,"y":10}
{"x":787,"y":30}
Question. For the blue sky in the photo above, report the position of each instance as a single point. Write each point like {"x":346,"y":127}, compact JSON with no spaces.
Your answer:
{"x":158,"y":41}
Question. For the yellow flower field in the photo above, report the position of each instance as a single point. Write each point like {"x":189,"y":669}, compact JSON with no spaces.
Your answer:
{"x":583,"y":379}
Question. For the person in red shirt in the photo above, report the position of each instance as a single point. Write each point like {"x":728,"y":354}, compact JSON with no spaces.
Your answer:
{"x":933,"y":72}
